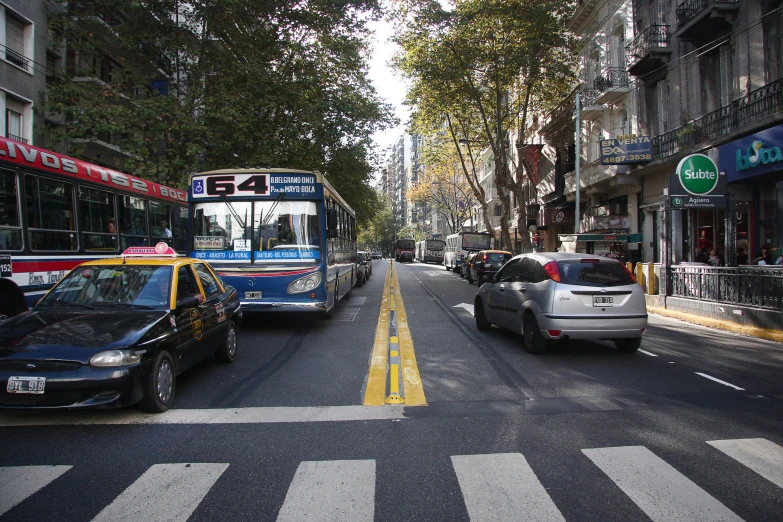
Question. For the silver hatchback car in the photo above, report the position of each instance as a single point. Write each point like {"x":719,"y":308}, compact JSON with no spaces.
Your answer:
{"x":550,"y":296}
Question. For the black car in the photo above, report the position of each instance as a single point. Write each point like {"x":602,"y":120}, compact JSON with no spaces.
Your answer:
{"x":406,"y":257}
{"x":485,"y":264}
{"x":116,"y":332}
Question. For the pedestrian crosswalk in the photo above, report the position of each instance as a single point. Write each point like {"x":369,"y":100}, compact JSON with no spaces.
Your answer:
{"x":496,"y":487}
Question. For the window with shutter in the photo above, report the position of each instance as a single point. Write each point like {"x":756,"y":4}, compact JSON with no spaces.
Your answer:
{"x":726,"y":75}
{"x":662,"y":95}
{"x":14,"y":41}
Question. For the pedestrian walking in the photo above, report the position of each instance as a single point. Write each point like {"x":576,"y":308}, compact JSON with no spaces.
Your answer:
{"x":713,"y":258}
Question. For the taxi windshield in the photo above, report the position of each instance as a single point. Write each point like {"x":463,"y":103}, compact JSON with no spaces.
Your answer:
{"x":146,"y":286}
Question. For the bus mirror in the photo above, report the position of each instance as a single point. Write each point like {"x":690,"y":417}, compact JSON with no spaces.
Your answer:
{"x":331,"y":220}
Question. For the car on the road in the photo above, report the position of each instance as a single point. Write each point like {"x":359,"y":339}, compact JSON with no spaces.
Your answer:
{"x":485,"y":265}
{"x":406,"y":257}
{"x":115,"y":332}
{"x":368,"y":258}
{"x":362,"y":268}
{"x":376,"y":255}
{"x":550,"y":296}
{"x":464,"y":268}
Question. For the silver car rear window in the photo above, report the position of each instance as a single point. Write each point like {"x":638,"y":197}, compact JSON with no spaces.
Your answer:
{"x":593,"y":274}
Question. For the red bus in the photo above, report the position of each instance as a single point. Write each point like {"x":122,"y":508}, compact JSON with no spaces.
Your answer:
{"x":57,"y":211}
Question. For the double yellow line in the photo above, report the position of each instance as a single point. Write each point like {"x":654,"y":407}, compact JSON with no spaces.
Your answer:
{"x":393,"y":355}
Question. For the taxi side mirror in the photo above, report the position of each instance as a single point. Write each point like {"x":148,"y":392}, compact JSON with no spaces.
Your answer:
{"x":187,"y":302}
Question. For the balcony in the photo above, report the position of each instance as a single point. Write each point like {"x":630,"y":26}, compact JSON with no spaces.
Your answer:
{"x":612,"y":85}
{"x":649,"y":51}
{"x":737,"y":115}
{"x":560,"y":117}
{"x":584,"y":8}
{"x":591,"y":109}
{"x":701,"y":21}
{"x":16,"y":138}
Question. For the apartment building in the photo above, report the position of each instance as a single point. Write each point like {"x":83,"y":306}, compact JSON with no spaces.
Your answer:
{"x":23,"y":71}
{"x":695,"y":76}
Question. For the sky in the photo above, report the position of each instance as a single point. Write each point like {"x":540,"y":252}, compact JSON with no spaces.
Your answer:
{"x":389,"y":85}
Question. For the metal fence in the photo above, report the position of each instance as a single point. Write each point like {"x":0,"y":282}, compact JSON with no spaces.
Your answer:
{"x":756,"y":286}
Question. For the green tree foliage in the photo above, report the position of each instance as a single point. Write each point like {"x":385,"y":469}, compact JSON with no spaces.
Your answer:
{"x":377,"y":233}
{"x":206,"y":84}
{"x":482,"y":67}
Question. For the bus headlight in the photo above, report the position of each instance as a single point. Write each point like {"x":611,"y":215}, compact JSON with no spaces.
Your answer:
{"x":305,"y":284}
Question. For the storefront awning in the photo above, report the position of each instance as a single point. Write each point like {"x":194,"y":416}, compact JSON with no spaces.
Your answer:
{"x":630,"y":238}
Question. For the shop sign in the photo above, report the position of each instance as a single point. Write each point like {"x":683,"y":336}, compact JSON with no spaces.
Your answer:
{"x":625,"y":150}
{"x":697,"y":183}
{"x":559,"y":216}
{"x":757,"y":154}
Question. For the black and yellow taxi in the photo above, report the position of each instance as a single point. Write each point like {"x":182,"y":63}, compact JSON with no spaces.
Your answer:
{"x":115,"y":332}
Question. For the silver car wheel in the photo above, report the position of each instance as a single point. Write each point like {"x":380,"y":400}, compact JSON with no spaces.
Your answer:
{"x":231,"y":340}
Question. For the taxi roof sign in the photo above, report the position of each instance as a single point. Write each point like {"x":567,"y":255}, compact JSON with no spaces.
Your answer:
{"x":160,"y":249}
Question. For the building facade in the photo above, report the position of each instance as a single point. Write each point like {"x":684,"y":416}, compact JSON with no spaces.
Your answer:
{"x":693,"y":77}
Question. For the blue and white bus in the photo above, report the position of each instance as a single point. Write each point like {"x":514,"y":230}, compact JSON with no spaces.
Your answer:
{"x":284,"y":238}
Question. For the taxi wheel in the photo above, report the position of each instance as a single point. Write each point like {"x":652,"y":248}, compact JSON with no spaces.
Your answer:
{"x":534,"y":341}
{"x":228,"y":352}
{"x":160,"y":386}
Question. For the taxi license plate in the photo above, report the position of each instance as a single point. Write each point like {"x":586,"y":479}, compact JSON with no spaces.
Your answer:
{"x":602,"y":300}
{"x":252,"y":295}
{"x":26,"y":385}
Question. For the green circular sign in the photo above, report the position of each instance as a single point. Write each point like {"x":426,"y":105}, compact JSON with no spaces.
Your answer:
{"x":698,"y":174}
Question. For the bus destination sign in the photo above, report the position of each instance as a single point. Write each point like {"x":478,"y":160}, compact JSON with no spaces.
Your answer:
{"x":293,"y":185}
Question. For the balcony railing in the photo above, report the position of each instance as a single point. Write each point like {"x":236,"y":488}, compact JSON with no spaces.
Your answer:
{"x":587,"y":98}
{"x":689,"y":9}
{"x":611,"y":78}
{"x":16,"y":58}
{"x":17,"y":138}
{"x":655,"y":36}
{"x":759,"y":287}
{"x":755,"y":105}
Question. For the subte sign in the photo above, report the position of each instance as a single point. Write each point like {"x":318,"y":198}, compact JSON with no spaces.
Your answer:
{"x":697,"y":183}
{"x":5,"y":266}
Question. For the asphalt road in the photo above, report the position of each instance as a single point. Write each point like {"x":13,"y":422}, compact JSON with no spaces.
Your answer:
{"x":582,"y":432}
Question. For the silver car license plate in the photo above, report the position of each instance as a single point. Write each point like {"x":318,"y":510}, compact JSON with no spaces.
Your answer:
{"x":601,"y":300}
{"x":252,"y":295}
{"x":34,"y":385}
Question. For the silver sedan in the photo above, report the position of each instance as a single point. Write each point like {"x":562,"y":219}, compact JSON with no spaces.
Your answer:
{"x":552,"y":296}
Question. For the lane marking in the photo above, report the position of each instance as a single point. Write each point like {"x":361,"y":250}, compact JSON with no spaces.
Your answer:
{"x":466,"y":306}
{"x":164,"y":492}
{"x":20,"y":482}
{"x":502,"y":486}
{"x":718,"y":380}
{"x":331,"y":490}
{"x":761,"y":455}
{"x":648,"y":353}
{"x":659,"y":490}
{"x":413,"y":390}
{"x":375,"y":391}
{"x":261,"y":415}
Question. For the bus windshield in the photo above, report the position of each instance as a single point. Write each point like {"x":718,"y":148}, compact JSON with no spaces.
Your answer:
{"x":272,"y":230}
{"x":435,"y":244}
{"x":406,"y":244}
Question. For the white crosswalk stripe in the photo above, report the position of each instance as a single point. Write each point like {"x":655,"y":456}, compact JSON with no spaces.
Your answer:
{"x":164,"y":492}
{"x":661,"y":491}
{"x":761,"y":455}
{"x":19,"y":482}
{"x":494,"y":487}
{"x":502,"y":486}
{"x":331,"y":490}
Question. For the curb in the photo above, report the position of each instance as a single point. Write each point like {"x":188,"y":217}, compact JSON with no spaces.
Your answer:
{"x":752,"y":331}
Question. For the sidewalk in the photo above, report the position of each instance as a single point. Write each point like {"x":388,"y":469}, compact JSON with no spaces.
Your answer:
{"x":752,"y":331}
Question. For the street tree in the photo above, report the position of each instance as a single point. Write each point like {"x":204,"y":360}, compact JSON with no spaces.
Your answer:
{"x":484,"y":66}
{"x":442,"y":185}
{"x":181,"y":87}
{"x":411,"y":232}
